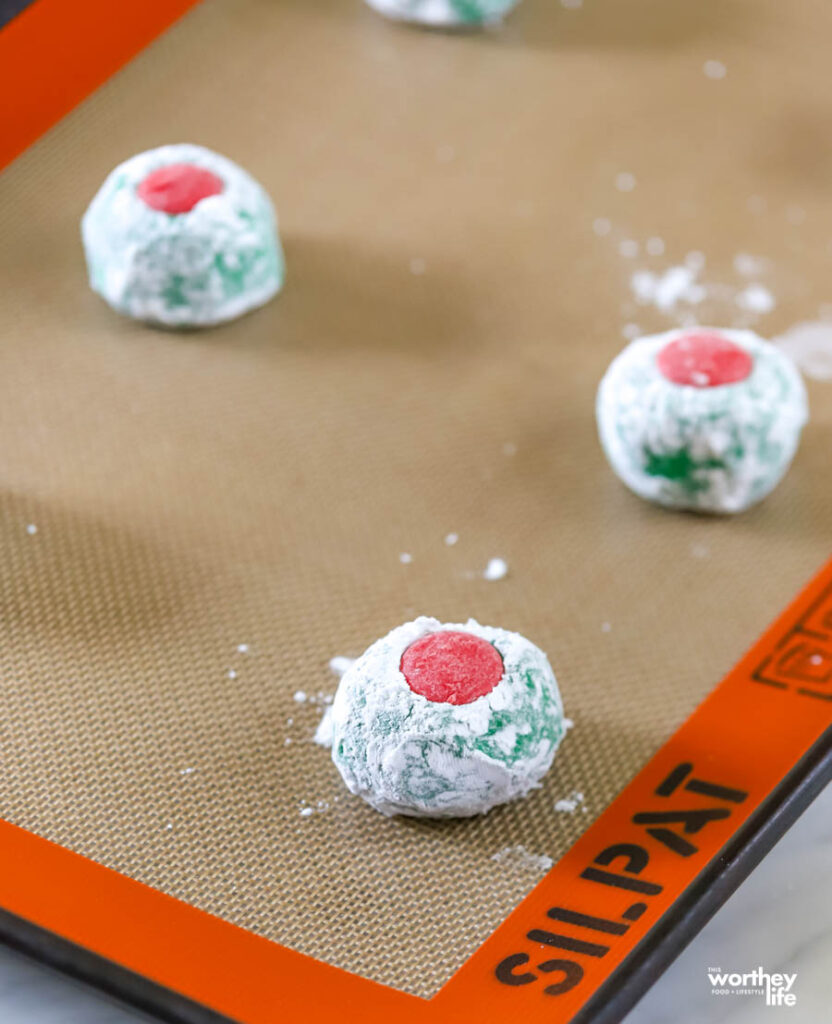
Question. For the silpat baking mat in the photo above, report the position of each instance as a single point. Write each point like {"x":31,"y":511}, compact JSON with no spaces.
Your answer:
{"x":460,"y":215}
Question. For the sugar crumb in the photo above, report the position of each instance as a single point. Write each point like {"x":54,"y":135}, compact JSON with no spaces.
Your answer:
{"x":756,"y":298}
{"x":497,"y":569}
{"x":568,"y":805}
{"x":747,"y":265}
{"x":714,"y":69}
{"x":519,"y":857}
{"x":339,"y":664}
{"x":654,"y":246}
{"x":809,"y":345}
{"x":324,"y":732}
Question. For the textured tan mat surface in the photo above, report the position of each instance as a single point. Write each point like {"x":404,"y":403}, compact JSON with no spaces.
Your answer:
{"x":257,"y":484}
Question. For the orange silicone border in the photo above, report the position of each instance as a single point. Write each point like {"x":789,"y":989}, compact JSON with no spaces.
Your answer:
{"x":56,"y":52}
{"x":256,"y":981}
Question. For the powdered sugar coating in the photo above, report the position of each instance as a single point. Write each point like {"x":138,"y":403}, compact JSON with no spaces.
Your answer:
{"x":213,"y":263}
{"x":715,"y":449}
{"x":407,"y":755}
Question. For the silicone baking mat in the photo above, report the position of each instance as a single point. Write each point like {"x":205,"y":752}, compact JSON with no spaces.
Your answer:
{"x":459,"y":214}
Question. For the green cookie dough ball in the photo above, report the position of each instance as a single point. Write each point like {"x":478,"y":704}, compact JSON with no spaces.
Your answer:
{"x":445,"y":13}
{"x":701,"y":419}
{"x":182,"y":237}
{"x":440,"y":720}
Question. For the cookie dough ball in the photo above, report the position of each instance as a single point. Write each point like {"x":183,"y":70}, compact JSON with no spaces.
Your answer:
{"x":701,"y":419}
{"x":441,"y":720}
{"x":182,"y":237}
{"x":445,"y":13}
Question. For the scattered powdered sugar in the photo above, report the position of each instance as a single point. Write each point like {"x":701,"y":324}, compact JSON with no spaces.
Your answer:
{"x":654,"y":246}
{"x":307,"y":809}
{"x":700,"y":550}
{"x":666,"y":290}
{"x":714,"y":69}
{"x":31,"y":529}
{"x":756,"y":298}
{"x":451,"y":539}
{"x":405,"y":558}
{"x":568,"y":805}
{"x":497,"y":569}
{"x":339,"y":664}
{"x":606,"y":627}
{"x":747,"y":265}
{"x":231,"y":673}
{"x":519,"y":857}
{"x":300,"y":696}
{"x":677,"y":290}
{"x":323,"y":734}
{"x":628,"y":248}
{"x":695,"y":260}
{"x":243,"y":648}
{"x":318,"y":698}
{"x":625,"y":181}
{"x":809,"y":345}
{"x":568,"y":724}
{"x":601,"y":226}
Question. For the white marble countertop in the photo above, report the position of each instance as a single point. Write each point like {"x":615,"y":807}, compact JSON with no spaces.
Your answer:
{"x":780,"y":919}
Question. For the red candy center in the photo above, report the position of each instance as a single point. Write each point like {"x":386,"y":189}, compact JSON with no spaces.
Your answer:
{"x":704,"y":359}
{"x":452,"y":668}
{"x":177,"y":188}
